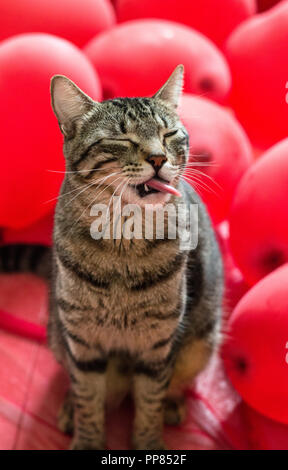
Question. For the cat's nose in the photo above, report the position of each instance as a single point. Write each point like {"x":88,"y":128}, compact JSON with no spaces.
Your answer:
{"x":157,"y":160}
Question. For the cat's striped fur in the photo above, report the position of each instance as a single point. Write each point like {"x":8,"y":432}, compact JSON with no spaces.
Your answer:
{"x":140,"y":316}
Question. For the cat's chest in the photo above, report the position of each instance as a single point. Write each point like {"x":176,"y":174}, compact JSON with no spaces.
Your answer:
{"x":133,"y":325}
{"x":133,"y":309}
{"x":136,"y":341}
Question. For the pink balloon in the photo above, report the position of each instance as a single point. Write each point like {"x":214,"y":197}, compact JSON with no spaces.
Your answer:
{"x":259,"y":218}
{"x":137,"y":57}
{"x":31,"y":143}
{"x":255,"y":350}
{"x":220,"y":150}
{"x":266,"y":4}
{"x":264,"y":433}
{"x":216,"y":19}
{"x":75,"y":20}
{"x":40,"y":232}
{"x":235,"y":285}
{"x":257,"y":54}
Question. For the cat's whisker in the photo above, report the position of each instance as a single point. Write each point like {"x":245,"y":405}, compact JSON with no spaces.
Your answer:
{"x":106,"y":187}
{"x":111,"y":198}
{"x":192,"y":164}
{"x":62,"y":195}
{"x":201,"y":173}
{"x":89,"y":186}
{"x":101,"y":181}
{"x":195,"y":184}
{"x":129,"y":179}
{"x":125,"y":219}
{"x":201,"y":183}
{"x":73,"y":191}
{"x":90,"y":204}
{"x":204,"y":186}
{"x":193,"y":171}
{"x":201,"y":164}
{"x":197,"y":155}
{"x":119,"y":201}
{"x":83,"y":171}
{"x":123,"y":189}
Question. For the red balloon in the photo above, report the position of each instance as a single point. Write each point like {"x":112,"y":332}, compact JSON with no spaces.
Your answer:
{"x":264,"y":433}
{"x":259,"y":217}
{"x":75,"y":20}
{"x":255,"y":350}
{"x":213,"y":18}
{"x":40,"y":232}
{"x":235,"y":285}
{"x":137,"y":57}
{"x":266,"y":4}
{"x":257,"y":53}
{"x":219,"y":148}
{"x":31,"y":143}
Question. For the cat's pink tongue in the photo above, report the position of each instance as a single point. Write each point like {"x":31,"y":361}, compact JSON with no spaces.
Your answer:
{"x":163,"y":187}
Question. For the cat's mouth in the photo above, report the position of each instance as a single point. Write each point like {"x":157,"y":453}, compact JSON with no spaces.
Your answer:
{"x":155,"y":185}
{"x":144,"y":190}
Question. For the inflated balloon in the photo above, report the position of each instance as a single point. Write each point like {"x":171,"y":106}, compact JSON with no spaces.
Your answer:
{"x":264,"y":433}
{"x":257,"y":53}
{"x":39,"y":233}
{"x":259,"y":217}
{"x":266,"y":4}
{"x":220,"y":152}
{"x":137,"y":57}
{"x":31,"y":143}
{"x":75,"y":20}
{"x":235,"y":285}
{"x":213,"y":18}
{"x":255,"y":350}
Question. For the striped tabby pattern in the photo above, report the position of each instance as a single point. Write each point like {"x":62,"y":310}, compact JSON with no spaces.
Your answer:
{"x":127,"y":316}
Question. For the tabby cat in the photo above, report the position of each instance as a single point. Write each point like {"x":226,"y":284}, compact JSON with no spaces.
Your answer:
{"x":139,"y":316}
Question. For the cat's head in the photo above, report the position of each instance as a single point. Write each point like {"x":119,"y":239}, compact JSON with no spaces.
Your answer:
{"x":133,"y":147}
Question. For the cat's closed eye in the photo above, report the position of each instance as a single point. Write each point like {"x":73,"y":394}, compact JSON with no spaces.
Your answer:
{"x":170,"y":134}
{"x":121,"y":144}
{"x":114,"y":146}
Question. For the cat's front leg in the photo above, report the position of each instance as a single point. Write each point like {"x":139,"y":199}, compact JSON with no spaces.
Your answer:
{"x":150,"y":387}
{"x":88,"y":384}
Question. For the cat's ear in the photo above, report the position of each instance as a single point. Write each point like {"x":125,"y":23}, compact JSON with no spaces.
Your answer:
{"x":69,"y":103}
{"x":171,"y":91}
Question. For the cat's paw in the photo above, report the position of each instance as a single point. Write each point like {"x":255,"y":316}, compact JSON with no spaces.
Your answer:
{"x":157,"y":444}
{"x":79,"y":444}
{"x":66,"y":416}
{"x":174,"y":411}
